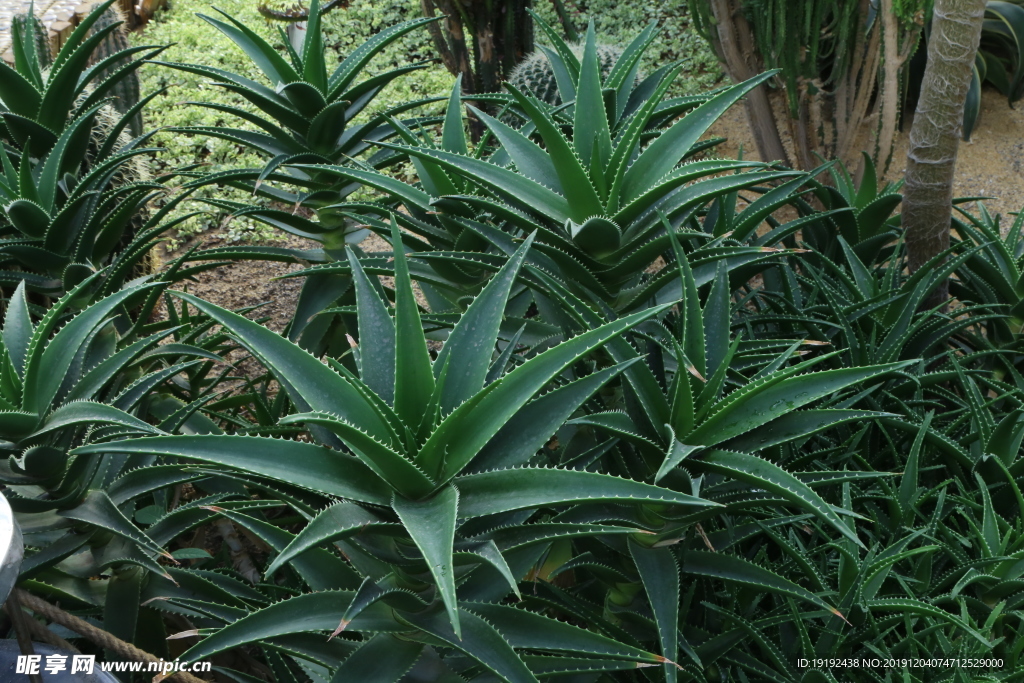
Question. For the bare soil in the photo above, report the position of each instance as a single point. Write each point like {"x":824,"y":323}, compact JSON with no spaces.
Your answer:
{"x":990,"y":165}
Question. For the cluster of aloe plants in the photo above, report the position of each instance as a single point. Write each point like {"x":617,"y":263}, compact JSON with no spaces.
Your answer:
{"x":598,"y":414}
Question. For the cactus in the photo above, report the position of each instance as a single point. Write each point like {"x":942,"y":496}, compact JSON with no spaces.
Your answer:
{"x":103,"y":170}
{"x":534,"y":73}
{"x":30,"y":23}
{"x":126,"y":92}
{"x":136,"y":170}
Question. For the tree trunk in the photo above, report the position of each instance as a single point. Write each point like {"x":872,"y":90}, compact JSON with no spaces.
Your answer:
{"x":735,"y":47}
{"x":501,"y":35}
{"x":450,"y":40}
{"x":935,"y":134}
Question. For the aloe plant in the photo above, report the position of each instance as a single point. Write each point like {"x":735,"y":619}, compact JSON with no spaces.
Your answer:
{"x":596,"y":197}
{"x":628,"y":563}
{"x":469,"y":209}
{"x":308,"y":114}
{"x":73,"y":185}
{"x":999,"y":60}
{"x":603,"y":211}
{"x":992,"y":275}
{"x":1002,"y":48}
{"x":72,"y":378}
{"x":62,"y":222}
{"x":98,"y":528}
{"x":38,"y":104}
{"x":863,"y":214}
{"x":710,"y":502}
{"x":412,"y":430}
{"x":561,"y":465}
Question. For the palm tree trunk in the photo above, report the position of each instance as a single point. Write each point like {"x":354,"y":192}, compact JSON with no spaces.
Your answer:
{"x":935,"y":134}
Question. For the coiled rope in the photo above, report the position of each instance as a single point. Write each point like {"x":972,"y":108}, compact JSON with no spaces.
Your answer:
{"x":96,"y":635}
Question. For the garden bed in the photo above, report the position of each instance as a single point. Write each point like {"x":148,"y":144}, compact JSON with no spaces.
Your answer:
{"x":592,"y":402}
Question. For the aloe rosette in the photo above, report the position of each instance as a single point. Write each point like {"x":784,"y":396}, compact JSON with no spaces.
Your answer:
{"x":307,"y":113}
{"x":401,"y":445}
{"x":602,"y":183}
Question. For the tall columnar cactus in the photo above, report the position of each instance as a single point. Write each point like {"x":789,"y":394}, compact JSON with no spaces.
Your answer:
{"x":126,"y":91}
{"x":104,"y":126}
{"x":29,"y":23}
{"x":481,"y":41}
{"x":534,"y":74}
{"x":73,"y":189}
{"x":835,"y":58}
{"x":134,"y":171}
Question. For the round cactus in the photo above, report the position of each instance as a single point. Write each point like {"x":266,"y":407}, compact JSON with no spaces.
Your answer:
{"x":535,"y":75}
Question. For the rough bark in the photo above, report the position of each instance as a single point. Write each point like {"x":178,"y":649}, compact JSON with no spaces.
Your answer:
{"x":935,"y":134}
{"x":894,"y":57}
{"x":437,"y":36}
{"x":733,"y":33}
{"x":853,"y":94}
{"x":450,"y":41}
{"x":501,"y":34}
{"x":889,"y":90}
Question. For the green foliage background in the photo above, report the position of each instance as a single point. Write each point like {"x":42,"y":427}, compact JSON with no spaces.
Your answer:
{"x":618,"y":22}
{"x":194,"y":41}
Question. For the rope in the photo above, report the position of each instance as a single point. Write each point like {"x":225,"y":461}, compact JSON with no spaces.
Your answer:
{"x":96,"y":635}
{"x":42,"y":634}
{"x":19,"y":619}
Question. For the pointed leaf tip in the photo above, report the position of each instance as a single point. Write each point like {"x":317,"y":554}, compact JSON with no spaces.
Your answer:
{"x":182,"y":634}
{"x":342,"y":625}
{"x":666,"y":660}
{"x":839,"y":614}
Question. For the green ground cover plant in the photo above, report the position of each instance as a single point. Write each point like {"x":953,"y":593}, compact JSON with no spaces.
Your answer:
{"x":619,"y":22}
{"x":657,"y":416}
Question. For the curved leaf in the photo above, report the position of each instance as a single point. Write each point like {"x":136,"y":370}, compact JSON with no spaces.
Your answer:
{"x":489,"y":493}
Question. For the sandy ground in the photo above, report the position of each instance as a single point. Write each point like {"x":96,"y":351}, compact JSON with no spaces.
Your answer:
{"x":992,"y":165}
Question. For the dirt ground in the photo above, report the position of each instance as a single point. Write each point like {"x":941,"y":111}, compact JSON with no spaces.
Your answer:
{"x":248,"y":283}
{"x":992,"y":165}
